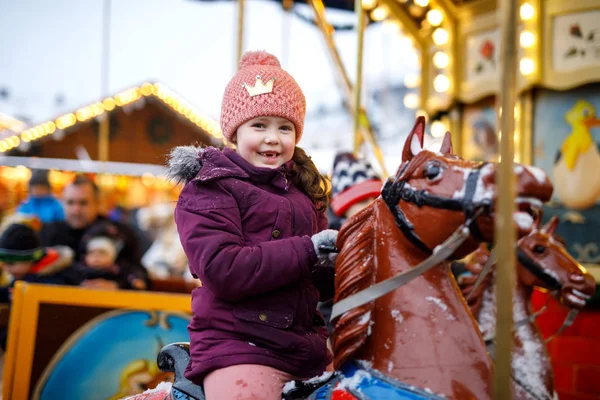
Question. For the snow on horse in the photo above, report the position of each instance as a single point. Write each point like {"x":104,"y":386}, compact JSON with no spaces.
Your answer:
{"x":543,"y":262}
{"x":421,"y":341}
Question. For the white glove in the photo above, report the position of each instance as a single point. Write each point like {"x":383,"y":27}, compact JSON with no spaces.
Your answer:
{"x":327,"y":239}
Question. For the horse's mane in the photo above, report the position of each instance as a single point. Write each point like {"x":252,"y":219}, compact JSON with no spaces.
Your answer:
{"x":355,"y":271}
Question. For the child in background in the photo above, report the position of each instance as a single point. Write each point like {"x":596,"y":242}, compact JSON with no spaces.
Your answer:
{"x":41,"y":202}
{"x":24,"y":259}
{"x":100,"y":268}
{"x":252,"y":223}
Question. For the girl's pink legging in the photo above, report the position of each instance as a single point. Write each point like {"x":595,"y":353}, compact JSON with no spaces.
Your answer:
{"x":245,"y":382}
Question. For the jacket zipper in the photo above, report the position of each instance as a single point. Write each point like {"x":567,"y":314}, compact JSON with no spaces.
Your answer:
{"x":288,"y":189}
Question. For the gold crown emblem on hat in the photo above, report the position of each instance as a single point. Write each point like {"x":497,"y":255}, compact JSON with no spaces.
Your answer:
{"x":259,"y":87}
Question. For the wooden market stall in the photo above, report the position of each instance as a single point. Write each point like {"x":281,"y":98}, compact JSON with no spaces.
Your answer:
{"x":143,"y":122}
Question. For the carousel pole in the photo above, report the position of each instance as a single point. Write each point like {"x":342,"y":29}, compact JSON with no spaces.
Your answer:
{"x":344,"y":81}
{"x":360,"y":33}
{"x":285,"y":32}
{"x":104,"y":134}
{"x":505,"y":230}
{"x":240,"y":33}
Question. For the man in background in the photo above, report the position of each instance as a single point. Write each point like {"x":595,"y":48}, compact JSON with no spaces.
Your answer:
{"x":81,"y":199}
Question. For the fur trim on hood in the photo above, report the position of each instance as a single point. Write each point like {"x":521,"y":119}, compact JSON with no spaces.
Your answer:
{"x":183,"y":163}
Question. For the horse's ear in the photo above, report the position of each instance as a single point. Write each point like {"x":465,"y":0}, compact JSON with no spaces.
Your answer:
{"x":446,"y":147}
{"x":415,"y":139}
{"x":551,"y":225}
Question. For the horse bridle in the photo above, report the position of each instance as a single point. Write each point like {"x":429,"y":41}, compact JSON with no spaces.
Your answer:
{"x":396,"y":190}
{"x":392,"y":193}
{"x":552,"y":284}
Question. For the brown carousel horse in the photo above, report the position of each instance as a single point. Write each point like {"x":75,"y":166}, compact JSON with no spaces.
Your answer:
{"x":422,"y":334}
{"x":543,"y":263}
{"x":420,"y":341}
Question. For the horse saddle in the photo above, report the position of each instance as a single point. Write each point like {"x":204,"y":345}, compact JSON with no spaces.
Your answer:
{"x":175,"y":357}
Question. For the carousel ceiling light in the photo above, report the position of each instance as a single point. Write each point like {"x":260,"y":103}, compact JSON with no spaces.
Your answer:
{"x":527,"y":39}
{"x":411,"y":100}
{"x":369,"y":4}
{"x":527,"y":11}
{"x":440,"y":36}
{"x":411,"y":80}
{"x":380,"y":13}
{"x":435,"y":17}
{"x":526,"y":66}
{"x":441,"y":59}
{"x":441,"y":83}
{"x":3,"y":146}
{"x":421,"y":3}
{"x":438,"y":129}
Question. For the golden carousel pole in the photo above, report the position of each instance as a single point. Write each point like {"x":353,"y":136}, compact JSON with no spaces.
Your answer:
{"x":360,"y":36}
{"x":104,"y":134}
{"x":240,"y":33}
{"x":366,"y":130}
{"x":505,"y":230}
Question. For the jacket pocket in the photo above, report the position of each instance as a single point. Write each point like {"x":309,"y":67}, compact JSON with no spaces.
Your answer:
{"x":274,"y":319}
{"x":268,"y":329}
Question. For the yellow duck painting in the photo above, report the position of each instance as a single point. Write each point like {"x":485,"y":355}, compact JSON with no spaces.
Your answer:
{"x":576,"y":170}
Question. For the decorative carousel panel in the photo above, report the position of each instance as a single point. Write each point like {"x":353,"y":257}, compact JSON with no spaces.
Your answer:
{"x":481,"y":70}
{"x":572,"y":45}
{"x":576,"y":41}
{"x":479,"y":130}
{"x":90,"y":344}
{"x":566,"y":134}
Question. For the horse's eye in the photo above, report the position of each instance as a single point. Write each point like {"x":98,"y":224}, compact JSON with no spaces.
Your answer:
{"x":432,"y":171}
{"x":539,"y":249}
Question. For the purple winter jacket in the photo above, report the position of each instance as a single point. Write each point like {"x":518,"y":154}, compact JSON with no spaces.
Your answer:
{"x":246,"y":232}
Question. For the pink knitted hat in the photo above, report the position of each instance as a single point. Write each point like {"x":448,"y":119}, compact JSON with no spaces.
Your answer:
{"x":249,"y":94}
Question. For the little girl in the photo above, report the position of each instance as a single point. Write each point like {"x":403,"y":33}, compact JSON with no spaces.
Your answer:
{"x":252,"y":224}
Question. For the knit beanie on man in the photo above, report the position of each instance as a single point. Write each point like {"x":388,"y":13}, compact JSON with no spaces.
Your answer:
{"x":261,"y":88}
{"x":353,"y":180}
{"x":19,"y":242}
{"x":39,"y":177}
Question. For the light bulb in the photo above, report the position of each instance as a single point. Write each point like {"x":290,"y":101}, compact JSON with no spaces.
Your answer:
{"x":380,"y":13}
{"x":438,"y":129}
{"x":440,"y":36}
{"x":422,"y":3}
{"x":527,"y":11}
{"x":411,"y":81}
{"x":441,"y":59}
{"x":369,"y":4}
{"x":527,"y":39}
{"x":411,"y":100}
{"x":435,"y":17}
{"x":441,"y":83}
{"x":526,"y":66}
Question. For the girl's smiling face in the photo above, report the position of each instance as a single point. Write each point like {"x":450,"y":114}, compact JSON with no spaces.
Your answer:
{"x":266,"y":141}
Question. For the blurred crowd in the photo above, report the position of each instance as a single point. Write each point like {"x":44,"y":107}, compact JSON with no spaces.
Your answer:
{"x":70,"y":241}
